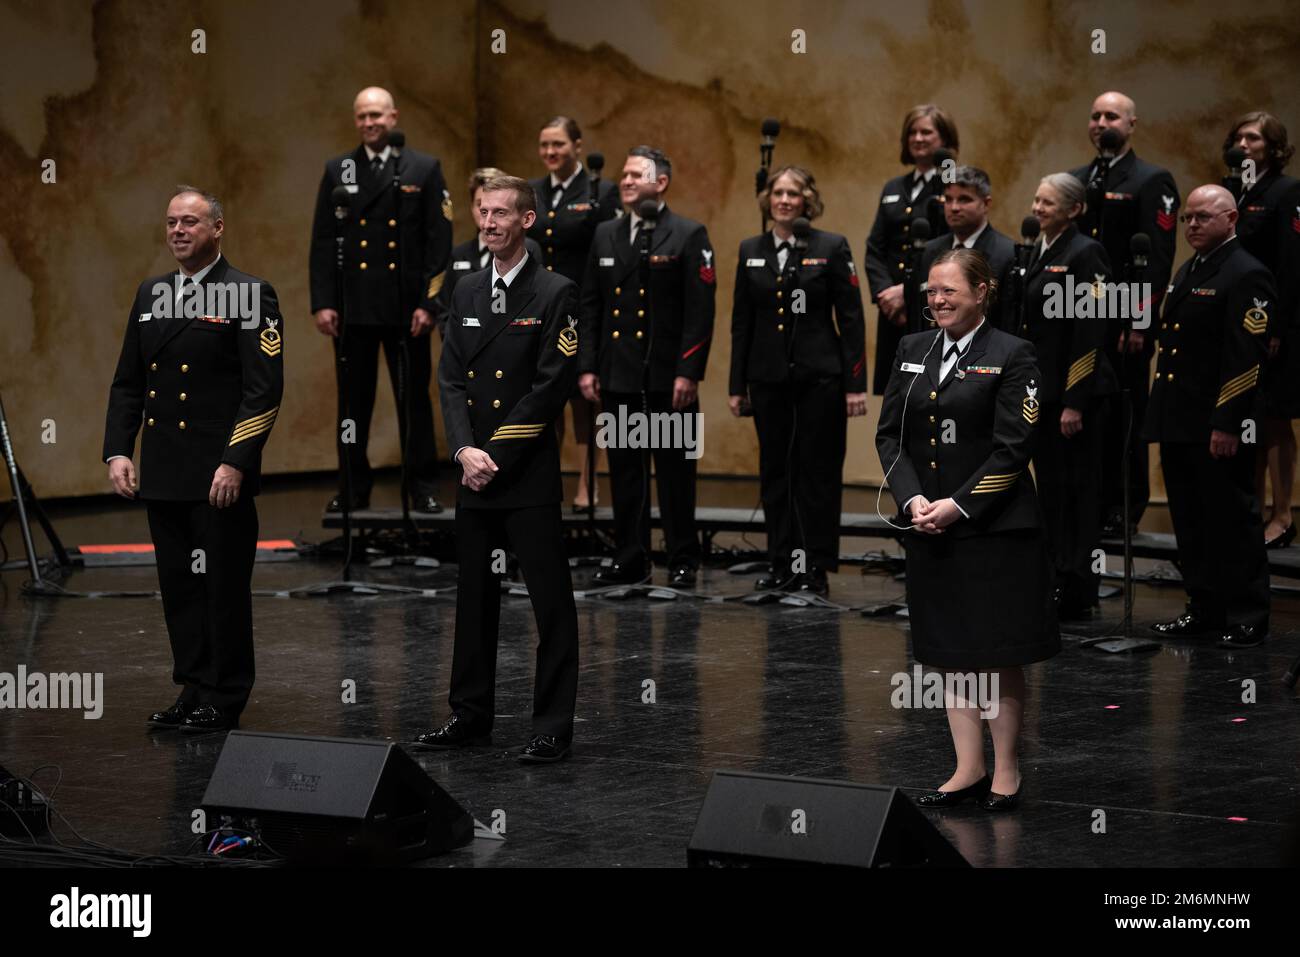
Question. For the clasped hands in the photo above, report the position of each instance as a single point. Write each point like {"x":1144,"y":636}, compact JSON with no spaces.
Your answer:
{"x":933,"y":517}
{"x":477,"y":467}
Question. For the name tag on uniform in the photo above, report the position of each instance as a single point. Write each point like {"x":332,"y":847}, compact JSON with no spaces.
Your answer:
{"x":912,"y":367}
{"x":606,"y":260}
{"x":1204,"y":292}
{"x":145,"y":316}
{"x":755,"y":262}
{"x":462,"y":264}
{"x":351,"y":187}
{"x":891,"y":198}
{"x":469,"y":321}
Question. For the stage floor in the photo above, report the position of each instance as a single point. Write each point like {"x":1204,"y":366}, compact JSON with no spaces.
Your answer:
{"x":1156,"y":741}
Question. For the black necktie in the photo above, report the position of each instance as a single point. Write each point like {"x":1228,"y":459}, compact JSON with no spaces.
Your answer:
{"x":951,"y":351}
{"x":1197,"y":263}
{"x":782,"y":247}
{"x":500,"y":283}
{"x":557,"y":197}
{"x":376,"y":165}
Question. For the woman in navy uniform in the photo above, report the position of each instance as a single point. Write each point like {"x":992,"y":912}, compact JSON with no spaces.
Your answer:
{"x":803,"y":371}
{"x":1269,"y":228}
{"x":1067,"y":270}
{"x":916,"y":194}
{"x":955,"y":436}
{"x":569,"y":207}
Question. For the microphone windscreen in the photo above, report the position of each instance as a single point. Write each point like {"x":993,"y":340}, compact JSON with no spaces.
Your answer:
{"x":1234,"y":157}
{"x":1110,"y":140}
{"x":1029,"y":229}
{"x":648,"y":210}
{"x":942,"y":155}
{"x":340,"y":196}
{"x":920,"y":229}
{"x":801,"y":228}
{"x":771,"y":127}
{"x":595,"y":162}
{"x":396,"y":139}
{"x":1139,"y":244}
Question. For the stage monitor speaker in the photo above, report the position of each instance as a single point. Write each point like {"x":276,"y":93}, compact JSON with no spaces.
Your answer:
{"x":769,"y":820}
{"x":333,"y":800}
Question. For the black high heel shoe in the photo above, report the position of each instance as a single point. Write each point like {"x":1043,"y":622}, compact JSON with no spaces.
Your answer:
{"x":1283,"y":540}
{"x":949,"y":798}
{"x":993,"y":801}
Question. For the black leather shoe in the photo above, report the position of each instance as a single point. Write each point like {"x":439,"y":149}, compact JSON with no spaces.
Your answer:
{"x":171,"y":718}
{"x":813,"y":582}
{"x":993,"y":801}
{"x":207,"y":718}
{"x":1283,"y":540}
{"x":682,"y":576}
{"x":544,"y":749}
{"x":427,"y":504}
{"x":454,"y":733}
{"x":617,"y":574}
{"x":1242,"y":636}
{"x":949,"y":798}
{"x":358,"y":503}
{"x":1187,"y":625}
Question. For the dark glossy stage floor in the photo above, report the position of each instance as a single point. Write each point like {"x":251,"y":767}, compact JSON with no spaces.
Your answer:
{"x":1157,"y":741}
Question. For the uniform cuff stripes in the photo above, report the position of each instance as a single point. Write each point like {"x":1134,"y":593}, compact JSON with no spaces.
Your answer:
{"x":517,"y":432}
{"x":1236,"y":386}
{"x":995,"y":483}
{"x":1081,"y":369}
{"x":254,"y":426}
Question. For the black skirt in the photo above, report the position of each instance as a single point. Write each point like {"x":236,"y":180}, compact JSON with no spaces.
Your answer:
{"x":981,"y":602}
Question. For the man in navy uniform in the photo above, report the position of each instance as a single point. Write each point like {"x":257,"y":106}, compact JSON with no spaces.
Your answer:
{"x":647,"y":322}
{"x":396,"y":243}
{"x":967,"y":198}
{"x":1204,"y":409}
{"x":1126,"y":195}
{"x":201,"y":370}
{"x":509,"y":363}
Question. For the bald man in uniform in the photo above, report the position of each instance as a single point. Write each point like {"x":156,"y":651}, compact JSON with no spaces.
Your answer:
{"x":396,"y":243}
{"x":1204,"y":406}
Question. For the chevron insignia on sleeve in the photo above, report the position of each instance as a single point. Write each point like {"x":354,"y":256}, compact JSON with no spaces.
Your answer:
{"x":1081,"y":368}
{"x":568,"y":343}
{"x":1237,"y":385}
{"x":435,"y":284}
{"x":269,"y":339}
{"x":1029,"y":405}
{"x":995,"y":483}
{"x":254,"y":426}
{"x":517,"y":432}
{"x":1256,"y":320}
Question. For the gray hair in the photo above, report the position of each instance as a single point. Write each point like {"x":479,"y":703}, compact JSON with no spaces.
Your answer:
{"x":972,"y":177}
{"x":1067,"y":187}
{"x":215,"y":209}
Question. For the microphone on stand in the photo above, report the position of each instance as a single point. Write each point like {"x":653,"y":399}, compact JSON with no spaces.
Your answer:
{"x":769,"y":131}
{"x":935,"y":208}
{"x":397,"y":140}
{"x":918,"y":236}
{"x":649,"y":213}
{"x":1234,"y":158}
{"x":1029,"y":230}
{"x":342,"y":201}
{"x":595,"y":163}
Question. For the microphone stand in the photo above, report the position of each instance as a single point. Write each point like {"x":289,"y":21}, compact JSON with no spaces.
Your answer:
{"x":404,"y":360}
{"x":765,"y":149}
{"x":593,"y":185}
{"x":21,"y":489}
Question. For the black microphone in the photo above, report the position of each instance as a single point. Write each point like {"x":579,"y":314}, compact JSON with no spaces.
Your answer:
{"x":648,"y":210}
{"x":595,"y":163}
{"x":802,"y":229}
{"x":920,"y":233}
{"x":943,"y":155}
{"x":397,"y":140}
{"x":1029,"y":229}
{"x":342,"y":200}
{"x":1234,"y":158}
{"x":1109,"y":143}
{"x":1139,"y":247}
{"x":769,"y":131}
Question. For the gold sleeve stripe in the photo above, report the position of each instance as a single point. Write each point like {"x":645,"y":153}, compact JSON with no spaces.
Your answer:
{"x":435,"y":285}
{"x":995,"y":483}
{"x":1236,"y":386}
{"x":1083,"y":367}
{"x":517,"y":432}
{"x":255,"y":423}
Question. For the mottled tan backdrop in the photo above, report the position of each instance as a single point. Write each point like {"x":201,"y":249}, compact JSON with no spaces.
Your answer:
{"x":113,"y":93}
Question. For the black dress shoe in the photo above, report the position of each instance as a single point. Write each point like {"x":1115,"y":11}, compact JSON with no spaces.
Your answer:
{"x":545,"y":749}
{"x":171,"y":718}
{"x":949,"y":798}
{"x":427,"y":504}
{"x":1283,"y":540}
{"x":683,"y":576}
{"x":1242,"y":636}
{"x":454,"y":733}
{"x":1187,"y":625}
{"x":617,"y":574}
{"x":813,"y":582}
{"x":207,"y":718}
{"x":993,"y":801}
{"x":358,"y":503}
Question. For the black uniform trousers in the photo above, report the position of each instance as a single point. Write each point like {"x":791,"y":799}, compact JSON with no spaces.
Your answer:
{"x":1068,"y":474}
{"x":535,"y":536}
{"x":208,"y":608}
{"x":1220,"y":534}
{"x":629,"y":478}
{"x":1134,"y":373}
{"x":361,"y":345}
{"x":801,"y":440}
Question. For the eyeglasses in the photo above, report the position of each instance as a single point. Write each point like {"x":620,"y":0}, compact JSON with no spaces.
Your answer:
{"x":1201,"y":218}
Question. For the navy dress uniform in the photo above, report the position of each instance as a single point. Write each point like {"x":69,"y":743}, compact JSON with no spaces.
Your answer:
{"x":1000,"y":252}
{"x":798,"y":346}
{"x":643,"y":325}
{"x":468,"y":258}
{"x":204,"y":385}
{"x":979,"y":595}
{"x":1210,"y":353}
{"x":504,"y":378}
{"x":1136,"y":197}
{"x":885,"y":249}
{"x":388,"y":235}
{"x":567,"y":218}
{"x":1076,"y":374}
{"x":1269,"y":228}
